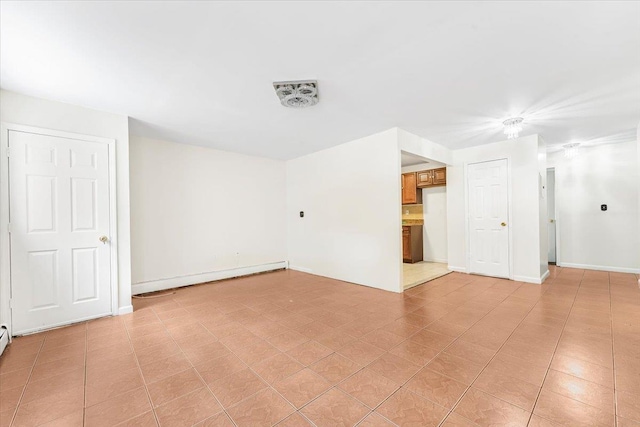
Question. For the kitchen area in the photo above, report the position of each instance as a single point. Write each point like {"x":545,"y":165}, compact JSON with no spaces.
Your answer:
{"x":424,"y":250}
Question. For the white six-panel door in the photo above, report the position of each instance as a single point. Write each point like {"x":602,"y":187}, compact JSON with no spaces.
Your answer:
{"x":551,"y":213}
{"x":488,"y":218}
{"x":59,"y":218}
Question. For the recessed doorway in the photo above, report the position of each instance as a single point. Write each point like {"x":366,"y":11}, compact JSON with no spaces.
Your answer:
{"x":424,"y":220}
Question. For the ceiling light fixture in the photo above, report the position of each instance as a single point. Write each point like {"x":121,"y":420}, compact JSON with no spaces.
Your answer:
{"x":571,"y":150}
{"x":297,"y":94}
{"x":512,"y":127}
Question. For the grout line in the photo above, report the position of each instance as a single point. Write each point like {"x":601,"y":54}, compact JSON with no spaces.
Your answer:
{"x":535,"y":403}
{"x":193,"y":366}
{"x":84,"y":391}
{"x":455,"y":405}
{"x":613,"y":355}
{"x":403,"y":384}
{"x":144,"y":383}
{"x":24,"y":387}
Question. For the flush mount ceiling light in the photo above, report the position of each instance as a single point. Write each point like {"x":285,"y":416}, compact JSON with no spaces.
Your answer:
{"x":571,"y":150}
{"x":512,"y":127}
{"x":297,"y":94}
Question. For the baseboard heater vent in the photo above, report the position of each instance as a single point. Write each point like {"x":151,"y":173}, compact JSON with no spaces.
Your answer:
{"x":4,"y":339}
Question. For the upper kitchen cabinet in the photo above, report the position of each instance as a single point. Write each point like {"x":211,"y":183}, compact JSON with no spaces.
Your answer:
{"x":410,"y":193}
{"x":425,"y":178}
{"x":440,"y":176}
{"x":432,"y":178}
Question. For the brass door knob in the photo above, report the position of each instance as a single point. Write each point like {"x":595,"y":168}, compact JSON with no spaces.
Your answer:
{"x":504,"y":224}
{"x":103,"y":239}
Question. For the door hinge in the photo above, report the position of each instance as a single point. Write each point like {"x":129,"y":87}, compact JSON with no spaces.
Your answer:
{"x":9,"y":228}
{"x":10,"y":303}
{"x":8,"y":151}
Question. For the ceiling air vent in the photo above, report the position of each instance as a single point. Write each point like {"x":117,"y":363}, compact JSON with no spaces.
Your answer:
{"x":297,"y":94}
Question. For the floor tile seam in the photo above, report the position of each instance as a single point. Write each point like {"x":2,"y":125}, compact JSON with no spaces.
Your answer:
{"x":455,"y":405}
{"x":471,"y":299}
{"x":84,"y":391}
{"x":582,"y":379}
{"x":24,"y":387}
{"x":299,"y":412}
{"x":144,"y":383}
{"x":613,"y":354}
{"x":535,"y":403}
{"x":336,"y":386}
{"x":206,"y":385}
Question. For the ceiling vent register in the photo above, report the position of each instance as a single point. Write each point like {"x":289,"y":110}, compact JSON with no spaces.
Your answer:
{"x":297,"y":94}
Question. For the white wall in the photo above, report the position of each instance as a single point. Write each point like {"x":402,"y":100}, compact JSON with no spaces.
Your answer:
{"x":524,"y":196}
{"x":434,"y":207}
{"x":197,"y":212}
{"x":588,"y":237}
{"x":350,"y":195}
{"x":543,"y":215}
{"x":26,"y":110}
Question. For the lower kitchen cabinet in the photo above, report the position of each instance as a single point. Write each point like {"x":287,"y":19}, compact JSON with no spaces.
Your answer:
{"x":411,"y":243}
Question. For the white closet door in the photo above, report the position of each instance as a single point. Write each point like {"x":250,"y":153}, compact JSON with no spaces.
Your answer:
{"x":488,"y":218}
{"x":59,"y":214}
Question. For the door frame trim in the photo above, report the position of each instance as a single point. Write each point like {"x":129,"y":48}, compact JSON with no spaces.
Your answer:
{"x":5,"y":248}
{"x":509,"y":214}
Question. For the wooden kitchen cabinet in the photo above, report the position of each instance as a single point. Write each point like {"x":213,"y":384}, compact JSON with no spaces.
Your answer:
{"x":432,"y":178}
{"x":425,"y":179}
{"x":410,"y":193}
{"x":411,"y":243}
{"x":440,"y":176}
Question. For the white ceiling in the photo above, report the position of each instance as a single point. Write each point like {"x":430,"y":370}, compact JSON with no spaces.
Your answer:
{"x":202,"y":72}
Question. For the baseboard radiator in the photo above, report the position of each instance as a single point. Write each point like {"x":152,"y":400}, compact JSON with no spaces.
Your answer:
{"x":4,"y":339}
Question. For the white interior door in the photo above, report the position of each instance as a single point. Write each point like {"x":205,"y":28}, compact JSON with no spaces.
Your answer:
{"x":488,"y":218}
{"x":551,"y":213}
{"x":59,"y":212}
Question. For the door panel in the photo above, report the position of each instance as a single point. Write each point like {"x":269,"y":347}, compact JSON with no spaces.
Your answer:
{"x":440,"y":176}
{"x":410,"y":192}
{"x":488,"y":218}
{"x":59,"y":208}
{"x":551,"y":213}
{"x":425,"y":178}
{"x":406,"y":244}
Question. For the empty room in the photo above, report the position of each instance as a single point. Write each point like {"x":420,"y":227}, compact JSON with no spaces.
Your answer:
{"x":319,"y":213}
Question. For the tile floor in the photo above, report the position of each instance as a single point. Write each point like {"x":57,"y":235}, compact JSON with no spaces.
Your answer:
{"x":291,"y":349}
{"x":421,"y":272}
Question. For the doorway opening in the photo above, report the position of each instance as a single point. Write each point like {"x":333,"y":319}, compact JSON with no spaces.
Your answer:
{"x":424,"y":219}
{"x":551,"y":213}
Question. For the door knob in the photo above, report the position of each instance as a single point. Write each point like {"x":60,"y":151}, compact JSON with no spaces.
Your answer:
{"x":504,"y":224}
{"x":552,"y":221}
{"x":103,"y":239}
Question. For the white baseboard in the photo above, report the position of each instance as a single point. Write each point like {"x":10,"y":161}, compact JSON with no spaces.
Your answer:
{"x":194,"y":279}
{"x":600,"y":268}
{"x":544,"y":276}
{"x":125,"y":310}
{"x":458,"y":269}
{"x":4,"y":339}
{"x":302,"y":269}
{"x":527,"y":279}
